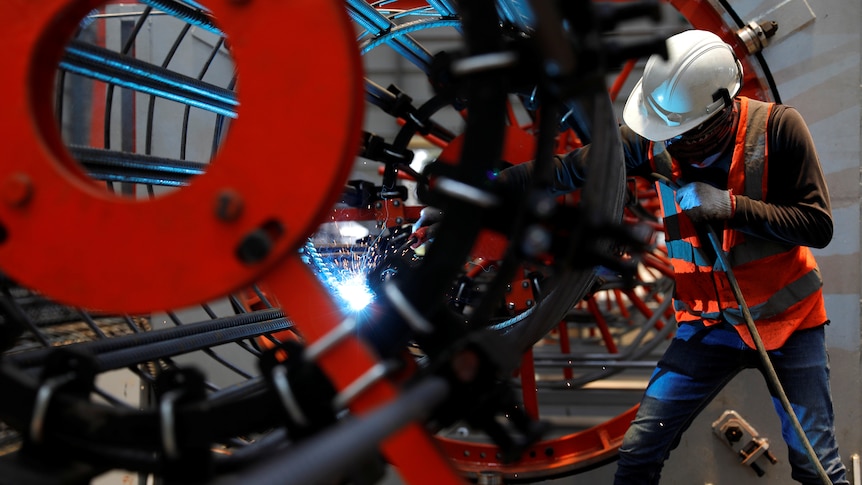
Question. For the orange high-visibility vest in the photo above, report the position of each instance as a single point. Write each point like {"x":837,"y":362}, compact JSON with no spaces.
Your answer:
{"x":781,"y":283}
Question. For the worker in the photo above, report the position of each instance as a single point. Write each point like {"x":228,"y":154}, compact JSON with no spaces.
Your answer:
{"x":750,"y":169}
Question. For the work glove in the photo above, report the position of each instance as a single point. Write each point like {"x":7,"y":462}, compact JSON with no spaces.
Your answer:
{"x":702,"y":201}
{"x":425,"y":228}
{"x":422,"y":235}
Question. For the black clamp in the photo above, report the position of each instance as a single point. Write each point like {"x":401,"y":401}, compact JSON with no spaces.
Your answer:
{"x":481,"y":391}
{"x":374,"y":147}
{"x":12,"y":318}
{"x":402,"y":107}
{"x":287,"y":369}
{"x":183,"y":462}
{"x":72,"y":371}
{"x":578,"y":241}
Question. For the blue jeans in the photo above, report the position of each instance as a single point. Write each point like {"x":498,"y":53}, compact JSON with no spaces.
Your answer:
{"x":696,"y":366}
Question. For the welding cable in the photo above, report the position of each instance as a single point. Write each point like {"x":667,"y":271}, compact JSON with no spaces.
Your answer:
{"x":768,"y":368}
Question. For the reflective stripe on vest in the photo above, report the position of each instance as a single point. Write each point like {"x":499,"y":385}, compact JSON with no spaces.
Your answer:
{"x":775,"y":278}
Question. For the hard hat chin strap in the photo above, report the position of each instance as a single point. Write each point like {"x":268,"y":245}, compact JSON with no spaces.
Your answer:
{"x":723,"y":95}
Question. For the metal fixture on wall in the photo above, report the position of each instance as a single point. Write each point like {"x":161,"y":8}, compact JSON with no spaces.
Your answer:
{"x":751,"y":448}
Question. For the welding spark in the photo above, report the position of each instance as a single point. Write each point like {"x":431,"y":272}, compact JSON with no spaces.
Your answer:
{"x":349,"y":266}
{"x":345,"y":273}
{"x":355,"y":292}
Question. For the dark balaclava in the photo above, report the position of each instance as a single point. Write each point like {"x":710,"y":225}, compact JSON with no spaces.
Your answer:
{"x":701,"y":145}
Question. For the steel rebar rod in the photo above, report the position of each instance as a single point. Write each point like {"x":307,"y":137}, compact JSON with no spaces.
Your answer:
{"x":134,"y":167}
{"x":118,"y":344}
{"x":377,"y":24}
{"x":124,"y":71}
{"x":189,"y":15}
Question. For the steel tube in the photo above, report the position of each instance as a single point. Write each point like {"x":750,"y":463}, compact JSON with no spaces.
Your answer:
{"x":116,"y":69}
{"x":323,"y":457}
{"x":110,"y":165}
{"x":138,"y":340}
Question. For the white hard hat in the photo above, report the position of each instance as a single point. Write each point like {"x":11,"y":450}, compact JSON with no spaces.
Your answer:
{"x":678,"y":94}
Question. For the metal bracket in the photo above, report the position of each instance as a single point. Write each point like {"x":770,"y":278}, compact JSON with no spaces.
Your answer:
{"x":751,"y":448}
{"x":178,"y":386}
{"x":43,"y":400}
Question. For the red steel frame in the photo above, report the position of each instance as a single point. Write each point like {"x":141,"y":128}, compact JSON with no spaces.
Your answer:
{"x":600,"y":442}
{"x":38,"y":177}
{"x":45,"y":193}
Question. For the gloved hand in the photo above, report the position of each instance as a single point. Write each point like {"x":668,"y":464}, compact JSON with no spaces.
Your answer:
{"x":425,"y":228}
{"x":702,"y":201}
{"x":422,"y":235}
{"x":427,"y":216}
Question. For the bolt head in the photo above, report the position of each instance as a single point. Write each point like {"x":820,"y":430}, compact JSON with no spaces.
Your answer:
{"x":254,"y":247}
{"x":17,"y":189}
{"x":228,"y":205}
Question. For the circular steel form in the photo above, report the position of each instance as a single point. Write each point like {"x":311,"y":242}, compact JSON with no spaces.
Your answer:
{"x":582,"y":450}
{"x":568,"y":453}
{"x":554,"y":457}
{"x":49,"y":207}
{"x":255,"y":199}
{"x":310,"y":308}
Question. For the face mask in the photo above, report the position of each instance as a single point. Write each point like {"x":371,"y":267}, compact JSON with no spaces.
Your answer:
{"x":703,"y":144}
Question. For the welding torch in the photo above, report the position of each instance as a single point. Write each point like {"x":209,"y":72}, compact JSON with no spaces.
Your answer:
{"x":771,"y":375}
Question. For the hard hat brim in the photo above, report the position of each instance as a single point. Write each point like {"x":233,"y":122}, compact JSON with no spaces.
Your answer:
{"x":647,"y":124}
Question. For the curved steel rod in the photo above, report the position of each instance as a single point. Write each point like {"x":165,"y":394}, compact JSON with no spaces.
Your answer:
{"x":123,"y":71}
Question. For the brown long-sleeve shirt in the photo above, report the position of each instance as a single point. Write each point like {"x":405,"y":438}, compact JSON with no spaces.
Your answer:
{"x":796,"y":209}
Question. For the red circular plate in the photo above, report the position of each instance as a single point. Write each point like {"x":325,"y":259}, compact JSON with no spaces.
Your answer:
{"x":70,"y":239}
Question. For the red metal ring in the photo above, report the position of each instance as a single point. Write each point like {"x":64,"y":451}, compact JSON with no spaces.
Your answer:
{"x":68,"y":237}
{"x":579,"y":451}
